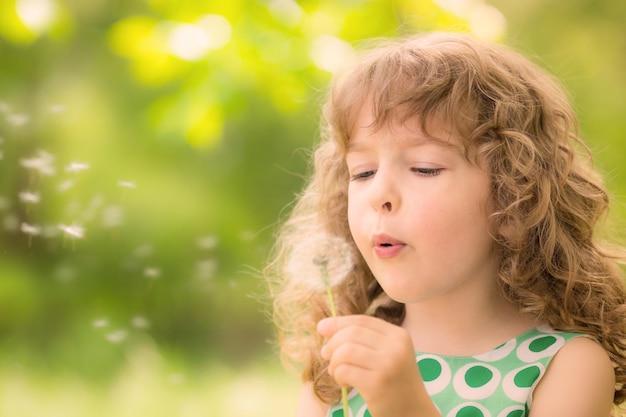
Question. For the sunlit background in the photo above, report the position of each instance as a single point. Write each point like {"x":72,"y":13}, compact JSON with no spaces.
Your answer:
{"x":147,"y":150}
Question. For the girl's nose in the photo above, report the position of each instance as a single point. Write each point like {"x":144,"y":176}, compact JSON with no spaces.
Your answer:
{"x":384,"y":195}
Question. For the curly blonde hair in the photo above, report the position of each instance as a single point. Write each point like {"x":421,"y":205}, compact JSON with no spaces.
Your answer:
{"x":547,"y":199}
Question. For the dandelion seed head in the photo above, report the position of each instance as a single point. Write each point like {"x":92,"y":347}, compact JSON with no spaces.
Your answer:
{"x":322,"y":251}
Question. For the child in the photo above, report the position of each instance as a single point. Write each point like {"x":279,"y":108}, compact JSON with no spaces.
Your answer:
{"x":454,"y":169}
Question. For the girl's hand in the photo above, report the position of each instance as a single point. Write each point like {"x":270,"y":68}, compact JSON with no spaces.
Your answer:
{"x":377,"y":358}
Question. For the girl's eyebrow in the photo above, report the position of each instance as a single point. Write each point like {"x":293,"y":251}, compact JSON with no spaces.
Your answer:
{"x":409,"y":142}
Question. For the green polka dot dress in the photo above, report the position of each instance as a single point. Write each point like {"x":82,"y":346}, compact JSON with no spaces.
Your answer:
{"x":498,"y":383}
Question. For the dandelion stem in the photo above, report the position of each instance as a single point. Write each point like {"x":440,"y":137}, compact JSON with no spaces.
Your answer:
{"x":323,"y":264}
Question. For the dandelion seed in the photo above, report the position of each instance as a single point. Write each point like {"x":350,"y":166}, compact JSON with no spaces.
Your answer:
{"x":176,"y":379}
{"x":143,"y":251}
{"x":30,"y":229}
{"x":205,"y":269}
{"x":28,"y":197}
{"x":66,"y":185}
{"x":112,"y":216}
{"x":127,"y":184}
{"x":100,"y":323}
{"x":73,"y":231}
{"x":57,"y":108}
{"x":140,"y":322}
{"x":208,"y":242}
{"x":117,"y":336}
{"x":42,"y":163}
{"x":76,"y":167}
{"x":17,"y":119}
{"x":152,"y":272}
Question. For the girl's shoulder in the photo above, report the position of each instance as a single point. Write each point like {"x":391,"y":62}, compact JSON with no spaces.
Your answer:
{"x":583,"y":370}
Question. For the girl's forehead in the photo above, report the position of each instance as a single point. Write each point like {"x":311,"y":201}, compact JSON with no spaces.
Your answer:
{"x":407,"y":129}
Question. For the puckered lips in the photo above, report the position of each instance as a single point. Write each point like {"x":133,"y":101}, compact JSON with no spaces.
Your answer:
{"x":387,"y":247}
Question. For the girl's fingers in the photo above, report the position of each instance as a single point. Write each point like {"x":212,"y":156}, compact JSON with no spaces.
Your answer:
{"x":327,"y":327}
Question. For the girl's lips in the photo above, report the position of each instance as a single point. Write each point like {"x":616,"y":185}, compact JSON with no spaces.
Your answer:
{"x":386,"y":246}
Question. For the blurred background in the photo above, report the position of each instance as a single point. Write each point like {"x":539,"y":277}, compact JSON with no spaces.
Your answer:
{"x":148,"y":149}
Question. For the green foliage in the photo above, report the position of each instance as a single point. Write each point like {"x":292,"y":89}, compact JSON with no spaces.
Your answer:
{"x":194,"y":118}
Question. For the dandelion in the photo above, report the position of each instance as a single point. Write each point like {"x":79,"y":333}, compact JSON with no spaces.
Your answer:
{"x":322,"y":262}
{"x":76,"y":167}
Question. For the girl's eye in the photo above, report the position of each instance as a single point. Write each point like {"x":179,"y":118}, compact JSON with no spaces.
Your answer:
{"x":362,"y":175}
{"x":427,"y":172}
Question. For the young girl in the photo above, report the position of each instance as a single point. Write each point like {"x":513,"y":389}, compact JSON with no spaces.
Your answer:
{"x":454,"y":169}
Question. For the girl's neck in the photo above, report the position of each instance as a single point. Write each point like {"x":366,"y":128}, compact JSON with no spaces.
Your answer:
{"x":464,"y":327}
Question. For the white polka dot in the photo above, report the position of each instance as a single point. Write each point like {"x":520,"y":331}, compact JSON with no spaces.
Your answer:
{"x":438,"y":384}
{"x":521,"y":393}
{"x":500,"y":353}
{"x":526,"y":355}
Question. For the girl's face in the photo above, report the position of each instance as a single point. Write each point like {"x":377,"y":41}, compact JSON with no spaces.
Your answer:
{"x":418,"y":212}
